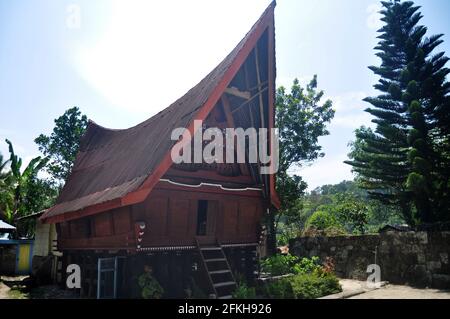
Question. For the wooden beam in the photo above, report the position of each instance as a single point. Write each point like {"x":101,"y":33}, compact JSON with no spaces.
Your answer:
{"x":258,"y":78}
{"x":235,"y":92}
{"x":275,"y":200}
{"x":261,"y":114}
{"x":230,"y":120}
{"x":227,"y":111}
{"x":271,"y":106}
{"x":256,"y":177}
{"x":250,"y":100}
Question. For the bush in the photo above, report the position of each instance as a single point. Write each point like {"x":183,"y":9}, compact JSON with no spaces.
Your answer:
{"x":303,"y":286}
{"x":310,"y":280}
{"x":278,"y":265}
{"x":307,"y":266}
{"x":312,"y":286}
{"x":243,"y":291}
{"x":278,"y":289}
{"x":322,"y":220}
{"x":151,"y":289}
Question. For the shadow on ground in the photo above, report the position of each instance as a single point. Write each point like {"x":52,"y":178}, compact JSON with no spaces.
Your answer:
{"x":22,"y":288}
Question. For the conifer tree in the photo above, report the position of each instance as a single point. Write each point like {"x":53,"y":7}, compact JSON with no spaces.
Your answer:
{"x":405,"y":161}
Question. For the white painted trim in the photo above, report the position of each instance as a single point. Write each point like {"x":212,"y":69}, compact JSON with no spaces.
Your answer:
{"x":211,"y":185}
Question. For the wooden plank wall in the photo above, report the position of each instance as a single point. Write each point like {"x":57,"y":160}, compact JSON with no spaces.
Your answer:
{"x":171,"y":219}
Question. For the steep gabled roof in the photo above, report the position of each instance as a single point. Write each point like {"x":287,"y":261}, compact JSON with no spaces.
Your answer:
{"x":120,"y":167}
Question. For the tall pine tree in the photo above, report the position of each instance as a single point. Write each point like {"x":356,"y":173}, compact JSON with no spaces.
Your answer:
{"x":405,"y":161}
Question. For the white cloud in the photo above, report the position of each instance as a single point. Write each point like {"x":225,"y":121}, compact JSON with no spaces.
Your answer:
{"x":151,"y":53}
{"x":349,"y":109}
{"x":348,"y":101}
{"x":327,"y":170}
{"x":353,"y":121}
{"x":374,"y":19}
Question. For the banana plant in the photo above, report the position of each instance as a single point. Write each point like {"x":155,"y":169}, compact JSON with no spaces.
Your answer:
{"x":3,"y":172}
{"x":18,"y":182}
{"x":5,"y":194}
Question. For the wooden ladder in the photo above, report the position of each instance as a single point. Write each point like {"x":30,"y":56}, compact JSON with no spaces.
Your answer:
{"x":218,"y":269}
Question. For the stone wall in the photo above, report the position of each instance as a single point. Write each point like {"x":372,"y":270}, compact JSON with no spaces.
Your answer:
{"x":416,"y":258}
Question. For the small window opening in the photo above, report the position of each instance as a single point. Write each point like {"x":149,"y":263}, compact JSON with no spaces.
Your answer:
{"x":202,"y":217}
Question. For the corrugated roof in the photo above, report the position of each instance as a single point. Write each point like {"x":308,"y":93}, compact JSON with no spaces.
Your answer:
{"x":113,"y":163}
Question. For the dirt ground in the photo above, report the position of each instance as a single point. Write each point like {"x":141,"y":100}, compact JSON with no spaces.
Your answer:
{"x":19,"y":288}
{"x":16,"y":288}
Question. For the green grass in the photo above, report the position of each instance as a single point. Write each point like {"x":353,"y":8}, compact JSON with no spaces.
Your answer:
{"x":17,"y":293}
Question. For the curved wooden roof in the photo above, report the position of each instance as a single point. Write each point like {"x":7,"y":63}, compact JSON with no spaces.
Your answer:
{"x":119,"y":167}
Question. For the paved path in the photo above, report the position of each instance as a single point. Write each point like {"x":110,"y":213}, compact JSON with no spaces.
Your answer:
{"x":403,"y":292}
{"x":354,"y":289}
{"x":4,"y":289}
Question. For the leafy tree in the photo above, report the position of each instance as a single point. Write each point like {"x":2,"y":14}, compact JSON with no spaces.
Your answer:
{"x":405,"y":161}
{"x":322,"y":220}
{"x":350,"y":206}
{"x":380,"y":215}
{"x":301,"y":119}
{"x":353,"y":212}
{"x":21,"y":186}
{"x":291,"y":190}
{"x":61,"y":147}
{"x":41,"y":194}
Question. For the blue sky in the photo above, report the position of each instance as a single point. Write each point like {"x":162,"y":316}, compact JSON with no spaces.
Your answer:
{"x":126,"y":60}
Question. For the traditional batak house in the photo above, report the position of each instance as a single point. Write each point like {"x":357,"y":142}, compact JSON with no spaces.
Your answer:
{"x":127,"y":205}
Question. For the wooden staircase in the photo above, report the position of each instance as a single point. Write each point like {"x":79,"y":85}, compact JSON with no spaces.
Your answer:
{"x":218,"y":269}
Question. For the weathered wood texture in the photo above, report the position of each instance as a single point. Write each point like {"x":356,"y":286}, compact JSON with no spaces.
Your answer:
{"x":170,"y":215}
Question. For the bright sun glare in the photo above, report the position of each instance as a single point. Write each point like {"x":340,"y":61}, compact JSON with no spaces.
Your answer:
{"x":150,"y":53}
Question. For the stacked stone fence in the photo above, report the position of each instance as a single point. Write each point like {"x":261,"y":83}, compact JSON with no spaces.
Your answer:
{"x":415,"y":258}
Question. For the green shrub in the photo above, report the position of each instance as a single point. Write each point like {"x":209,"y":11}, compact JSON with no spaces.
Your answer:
{"x":150,"y":287}
{"x":312,"y":286}
{"x":306,"y":286}
{"x":311,"y":279}
{"x":322,"y":220}
{"x":307,"y":266}
{"x":330,"y":284}
{"x":243,"y":291}
{"x":278,"y":289}
{"x":303,"y":286}
{"x":278,"y":265}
